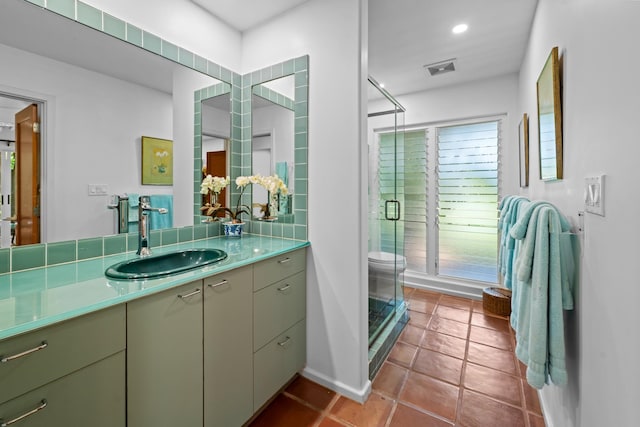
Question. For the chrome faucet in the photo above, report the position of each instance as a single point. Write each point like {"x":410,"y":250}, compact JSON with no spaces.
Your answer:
{"x":144,"y":207}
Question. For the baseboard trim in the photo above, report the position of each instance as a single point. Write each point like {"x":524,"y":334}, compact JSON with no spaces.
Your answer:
{"x":458,"y":288}
{"x":359,"y":396}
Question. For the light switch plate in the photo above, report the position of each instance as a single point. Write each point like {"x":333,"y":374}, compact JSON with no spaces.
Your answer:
{"x":594,"y":194}
{"x":97,"y":189}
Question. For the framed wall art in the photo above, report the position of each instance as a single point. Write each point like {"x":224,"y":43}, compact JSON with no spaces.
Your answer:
{"x":523,"y":140}
{"x":157,"y":161}
{"x":550,"y":118}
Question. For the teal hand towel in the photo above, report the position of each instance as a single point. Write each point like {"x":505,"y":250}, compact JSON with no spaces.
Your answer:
{"x":157,"y":220}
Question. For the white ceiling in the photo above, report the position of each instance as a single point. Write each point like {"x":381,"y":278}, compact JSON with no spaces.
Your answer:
{"x":245,"y":14}
{"x":405,"y":35}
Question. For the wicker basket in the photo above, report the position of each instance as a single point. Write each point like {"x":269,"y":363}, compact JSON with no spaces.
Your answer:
{"x":497,"y":301}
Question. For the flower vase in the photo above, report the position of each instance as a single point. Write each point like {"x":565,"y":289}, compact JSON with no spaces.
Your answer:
{"x":233,"y":229}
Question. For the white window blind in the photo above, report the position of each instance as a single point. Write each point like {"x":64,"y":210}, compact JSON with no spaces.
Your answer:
{"x":467,"y":186}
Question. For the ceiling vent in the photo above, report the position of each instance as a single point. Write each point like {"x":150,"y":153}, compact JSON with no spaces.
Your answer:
{"x":441,"y":67}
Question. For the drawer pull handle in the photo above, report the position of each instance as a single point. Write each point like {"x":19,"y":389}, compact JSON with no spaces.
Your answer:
{"x":40,"y":407}
{"x":185,"y":296}
{"x":284,"y":261}
{"x":284,"y":288}
{"x":6,"y":359}
{"x":224,"y":282}
{"x":285,"y":342}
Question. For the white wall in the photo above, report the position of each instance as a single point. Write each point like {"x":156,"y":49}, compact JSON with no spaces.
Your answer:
{"x":92,"y":136}
{"x":336,"y":275}
{"x":601,"y":100}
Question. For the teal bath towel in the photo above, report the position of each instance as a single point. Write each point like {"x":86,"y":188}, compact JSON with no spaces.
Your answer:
{"x":542,"y":290}
{"x":508,"y":248}
{"x":157,"y":220}
{"x":134,"y":201}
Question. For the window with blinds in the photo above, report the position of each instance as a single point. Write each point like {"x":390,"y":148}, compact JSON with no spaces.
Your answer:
{"x":467,"y":187}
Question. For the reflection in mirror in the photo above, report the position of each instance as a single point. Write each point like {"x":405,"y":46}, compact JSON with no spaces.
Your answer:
{"x":272,"y":116}
{"x":97,"y":96}
{"x":550,"y":119}
{"x":216,"y":140}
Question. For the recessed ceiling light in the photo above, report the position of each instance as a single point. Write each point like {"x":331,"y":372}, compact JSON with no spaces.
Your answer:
{"x":460,"y":28}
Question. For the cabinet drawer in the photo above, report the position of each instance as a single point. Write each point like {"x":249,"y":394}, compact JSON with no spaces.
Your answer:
{"x":93,"y":396}
{"x":277,"y":362}
{"x":278,"y":307}
{"x":272,"y":270}
{"x":57,"y":350}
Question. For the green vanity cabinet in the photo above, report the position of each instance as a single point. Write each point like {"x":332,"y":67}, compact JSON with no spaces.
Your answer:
{"x":164,"y":358}
{"x":228,"y":364}
{"x":70,"y":373}
{"x":279,"y":327}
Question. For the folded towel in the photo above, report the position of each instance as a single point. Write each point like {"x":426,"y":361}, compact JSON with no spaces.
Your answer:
{"x":134,"y":201}
{"x":157,"y":220}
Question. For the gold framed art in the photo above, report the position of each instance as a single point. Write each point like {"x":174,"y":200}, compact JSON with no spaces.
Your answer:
{"x":157,"y":161}
{"x":523,"y":140}
{"x":550,"y":119}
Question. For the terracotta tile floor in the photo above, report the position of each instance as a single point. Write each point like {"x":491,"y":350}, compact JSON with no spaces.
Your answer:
{"x":453,"y":365}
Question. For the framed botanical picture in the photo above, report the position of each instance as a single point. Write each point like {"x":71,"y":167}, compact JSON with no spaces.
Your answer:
{"x":157,"y":161}
{"x":523,"y":139}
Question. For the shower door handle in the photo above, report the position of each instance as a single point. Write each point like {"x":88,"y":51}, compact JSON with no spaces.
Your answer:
{"x":392,"y":210}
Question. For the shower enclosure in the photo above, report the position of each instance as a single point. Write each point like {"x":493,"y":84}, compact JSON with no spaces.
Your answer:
{"x":387,"y":310}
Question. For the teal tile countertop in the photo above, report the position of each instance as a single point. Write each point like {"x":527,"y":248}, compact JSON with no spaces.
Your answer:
{"x":40,"y":297}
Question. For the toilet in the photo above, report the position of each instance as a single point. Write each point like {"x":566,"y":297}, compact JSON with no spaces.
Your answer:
{"x":382,"y":268}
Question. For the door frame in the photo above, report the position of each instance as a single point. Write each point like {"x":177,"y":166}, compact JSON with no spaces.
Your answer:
{"x":46,"y":110}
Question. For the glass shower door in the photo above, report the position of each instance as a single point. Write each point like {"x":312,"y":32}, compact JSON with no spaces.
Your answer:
{"x":386,"y":259}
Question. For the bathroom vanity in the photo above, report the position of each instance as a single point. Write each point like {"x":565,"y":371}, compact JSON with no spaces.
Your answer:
{"x":207,"y":347}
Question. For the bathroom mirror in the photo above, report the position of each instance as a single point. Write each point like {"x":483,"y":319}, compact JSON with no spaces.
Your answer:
{"x":275,"y":91}
{"x":100,"y":96}
{"x":215,"y":137}
{"x":550,"y":119}
{"x":272,"y":143}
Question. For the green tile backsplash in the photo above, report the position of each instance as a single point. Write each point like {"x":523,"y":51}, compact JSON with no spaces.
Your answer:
{"x":61,"y":252}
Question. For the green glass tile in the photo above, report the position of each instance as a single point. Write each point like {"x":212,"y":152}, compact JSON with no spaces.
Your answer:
{"x":288,"y":67}
{"x":5,"y":260}
{"x":90,"y":248}
{"x":115,"y":27}
{"x":186,"y":58}
{"x":155,"y":238}
{"x":170,"y":50}
{"x":301,"y":109}
{"x":25,"y":257}
{"x":169,"y":237}
{"x":300,"y":232}
{"x":287,"y":231}
{"x":60,"y":252}
{"x":213,"y":69}
{"x":301,"y":141}
{"x":89,"y":15}
{"x":302,"y":171}
{"x":63,"y":7}
{"x":115,"y":244}
{"x":134,"y":35}
{"x":151,"y":42}
{"x":301,"y":93}
{"x":276,"y":230}
{"x":199,"y":231}
{"x":200,"y":64}
{"x":185,"y":234}
{"x":225,"y":75}
{"x":300,"y":124}
{"x":38,"y":2}
{"x":132,"y":242}
{"x":300,"y":155}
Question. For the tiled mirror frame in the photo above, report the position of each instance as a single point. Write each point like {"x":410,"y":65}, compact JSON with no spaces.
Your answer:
{"x":241,"y":132}
{"x":54,"y":253}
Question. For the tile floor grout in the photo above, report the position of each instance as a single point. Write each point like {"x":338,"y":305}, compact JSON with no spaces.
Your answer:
{"x":480,"y":388}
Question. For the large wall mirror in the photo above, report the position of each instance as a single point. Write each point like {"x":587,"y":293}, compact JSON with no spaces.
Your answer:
{"x":96,"y":96}
{"x":550,"y":119}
